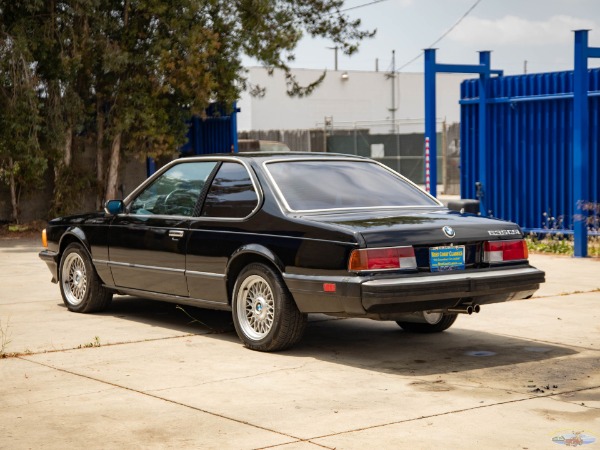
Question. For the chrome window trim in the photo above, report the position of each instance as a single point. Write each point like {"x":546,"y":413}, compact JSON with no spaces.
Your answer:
{"x":283,"y":204}
{"x":249,"y":170}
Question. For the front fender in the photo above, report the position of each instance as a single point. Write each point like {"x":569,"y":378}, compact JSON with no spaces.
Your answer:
{"x":74,"y":234}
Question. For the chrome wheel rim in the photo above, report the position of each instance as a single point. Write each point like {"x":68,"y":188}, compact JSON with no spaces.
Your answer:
{"x":74,"y":279}
{"x":255,"y":307}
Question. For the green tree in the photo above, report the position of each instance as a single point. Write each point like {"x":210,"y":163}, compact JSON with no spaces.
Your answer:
{"x":127,"y":74}
{"x":21,"y":163}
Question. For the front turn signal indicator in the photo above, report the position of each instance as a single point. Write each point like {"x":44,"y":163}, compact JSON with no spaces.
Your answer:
{"x":388,"y":258}
{"x":44,"y":239}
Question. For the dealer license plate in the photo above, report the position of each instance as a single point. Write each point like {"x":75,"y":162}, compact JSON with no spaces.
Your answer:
{"x":447,"y":258}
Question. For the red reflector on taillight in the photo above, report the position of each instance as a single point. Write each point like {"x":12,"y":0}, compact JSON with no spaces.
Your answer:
{"x":329,"y":287}
{"x":382,"y":259}
{"x":497,"y":251}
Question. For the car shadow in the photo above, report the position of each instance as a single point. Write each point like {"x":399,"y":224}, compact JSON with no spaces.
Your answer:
{"x":181,"y":318}
{"x":378,"y":346}
{"x":385,"y":347}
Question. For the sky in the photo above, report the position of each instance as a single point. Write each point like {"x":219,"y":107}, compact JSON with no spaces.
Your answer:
{"x":536,"y":31}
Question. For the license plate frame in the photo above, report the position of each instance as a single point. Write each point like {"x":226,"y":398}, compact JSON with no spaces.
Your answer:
{"x":447,"y":258}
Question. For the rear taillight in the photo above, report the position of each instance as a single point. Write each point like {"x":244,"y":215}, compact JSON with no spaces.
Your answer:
{"x":389,"y":258}
{"x":499,"y":251}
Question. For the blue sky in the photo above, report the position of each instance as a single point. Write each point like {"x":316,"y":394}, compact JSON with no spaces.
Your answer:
{"x":536,"y":31}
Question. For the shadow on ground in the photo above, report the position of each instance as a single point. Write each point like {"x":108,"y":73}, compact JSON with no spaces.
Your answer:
{"x":378,"y":346}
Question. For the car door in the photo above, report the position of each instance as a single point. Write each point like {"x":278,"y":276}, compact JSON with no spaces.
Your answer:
{"x":147,"y":244}
{"x":219,"y":230}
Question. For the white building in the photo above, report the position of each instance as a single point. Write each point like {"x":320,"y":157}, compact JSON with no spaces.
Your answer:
{"x":349,"y":99}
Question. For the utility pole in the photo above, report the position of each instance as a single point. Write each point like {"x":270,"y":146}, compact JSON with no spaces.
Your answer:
{"x":335,"y":49}
{"x":392,"y":76}
{"x":525,"y":67}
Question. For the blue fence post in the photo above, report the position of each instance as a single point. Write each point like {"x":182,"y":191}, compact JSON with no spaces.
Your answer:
{"x":485,"y":61}
{"x":580,"y":143}
{"x":150,"y":166}
{"x":233,"y":128}
{"x":430,"y":123}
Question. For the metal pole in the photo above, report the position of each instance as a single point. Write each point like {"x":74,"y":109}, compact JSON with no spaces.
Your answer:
{"x":484,"y":60}
{"x":393,"y":90}
{"x":580,"y":175}
{"x":445,"y":156}
{"x":430,"y":125}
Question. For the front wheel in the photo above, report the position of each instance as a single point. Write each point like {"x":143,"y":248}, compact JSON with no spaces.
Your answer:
{"x":433,"y":323}
{"x":265,"y":315}
{"x":80,"y":286}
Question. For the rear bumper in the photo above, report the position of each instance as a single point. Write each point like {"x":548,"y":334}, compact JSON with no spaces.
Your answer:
{"x":366,"y":296}
{"x":51,"y":260}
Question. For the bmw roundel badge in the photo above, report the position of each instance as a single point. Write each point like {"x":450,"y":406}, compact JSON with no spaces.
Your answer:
{"x":449,"y":231}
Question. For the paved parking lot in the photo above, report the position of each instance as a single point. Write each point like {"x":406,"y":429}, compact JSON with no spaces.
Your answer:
{"x":151,"y":375}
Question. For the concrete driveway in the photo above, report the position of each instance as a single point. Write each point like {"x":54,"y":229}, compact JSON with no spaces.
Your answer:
{"x":149,"y":375}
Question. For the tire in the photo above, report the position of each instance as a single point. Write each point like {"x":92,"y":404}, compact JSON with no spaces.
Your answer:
{"x":80,"y":286}
{"x":265,"y":315}
{"x":445,"y":322}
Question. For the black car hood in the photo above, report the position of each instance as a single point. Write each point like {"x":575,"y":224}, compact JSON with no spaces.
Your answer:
{"x":381,"y":228}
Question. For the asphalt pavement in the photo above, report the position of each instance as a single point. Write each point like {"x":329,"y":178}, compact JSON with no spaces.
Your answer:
{"x":519,"y":375}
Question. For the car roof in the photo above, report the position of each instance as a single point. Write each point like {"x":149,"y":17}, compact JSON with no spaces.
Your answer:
{"x":270,"y":156}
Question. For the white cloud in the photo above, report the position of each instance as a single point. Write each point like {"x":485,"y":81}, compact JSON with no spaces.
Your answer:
{"x":515,"y":30}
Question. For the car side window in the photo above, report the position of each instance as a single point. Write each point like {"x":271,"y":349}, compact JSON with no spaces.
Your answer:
{"x":232,"y":194}
{"x":175,"y":192}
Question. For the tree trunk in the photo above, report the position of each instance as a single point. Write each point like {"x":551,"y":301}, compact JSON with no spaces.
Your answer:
{"x":14,"y":200}
{"x":68,"y":156}
{"x":99,"y":156}
{"x":112,"y":179}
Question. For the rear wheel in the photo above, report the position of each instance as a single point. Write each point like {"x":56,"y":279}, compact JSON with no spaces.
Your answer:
{"x":265,"y":315}
{"x":432,"y":323}
{"x":80,"y":286}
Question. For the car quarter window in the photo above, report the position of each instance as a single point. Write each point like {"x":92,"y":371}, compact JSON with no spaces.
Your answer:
{"x":322,"y":185}
{"x":232,"y":194}
{"x":175,"y":192}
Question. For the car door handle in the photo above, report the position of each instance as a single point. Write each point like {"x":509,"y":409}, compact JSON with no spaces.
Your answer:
{"x":176,"y":233}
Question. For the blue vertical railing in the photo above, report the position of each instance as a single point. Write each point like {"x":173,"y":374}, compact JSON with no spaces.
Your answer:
{"x":542,"y":171}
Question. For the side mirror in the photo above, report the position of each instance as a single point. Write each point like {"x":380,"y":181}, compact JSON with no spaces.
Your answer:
{"x":113,"y":207}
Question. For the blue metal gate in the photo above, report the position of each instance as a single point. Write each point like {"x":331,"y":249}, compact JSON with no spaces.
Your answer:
{"x":217,"y":133}
{"x":529,"y":148}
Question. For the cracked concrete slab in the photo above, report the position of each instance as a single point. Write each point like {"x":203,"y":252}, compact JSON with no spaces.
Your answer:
{"x":45,"y":408}
{"x":160,"y":377}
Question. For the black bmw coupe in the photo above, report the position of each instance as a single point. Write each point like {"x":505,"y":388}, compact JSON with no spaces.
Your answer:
{"x":273,"y":237}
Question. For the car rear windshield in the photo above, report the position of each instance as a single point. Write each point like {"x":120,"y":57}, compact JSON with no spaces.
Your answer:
{"x":331,"y":184}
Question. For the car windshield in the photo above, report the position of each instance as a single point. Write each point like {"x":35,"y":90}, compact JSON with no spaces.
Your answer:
{"x":338,"y":184}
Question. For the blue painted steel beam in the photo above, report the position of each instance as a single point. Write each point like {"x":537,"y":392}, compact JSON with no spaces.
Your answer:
{"x":485,"y":61}
{"x":430,"y":122}
{"x":431,"y":69}
{"x":581,"y":152}
{"x":531,"y":98}
{"x":461,"y":68}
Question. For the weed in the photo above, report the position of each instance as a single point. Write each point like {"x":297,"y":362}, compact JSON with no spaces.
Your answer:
{"x":94,"y":343}
{"x":560,"y":244}
{"x":4,"y":338}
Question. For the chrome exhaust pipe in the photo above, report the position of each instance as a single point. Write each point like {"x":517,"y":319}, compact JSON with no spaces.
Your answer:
{"x":476,"y":309}
{"x":462,"y":309}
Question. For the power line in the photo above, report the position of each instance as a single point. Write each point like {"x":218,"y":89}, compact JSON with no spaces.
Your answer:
{"x":363,"y":5}
{"x":443,"y":34}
